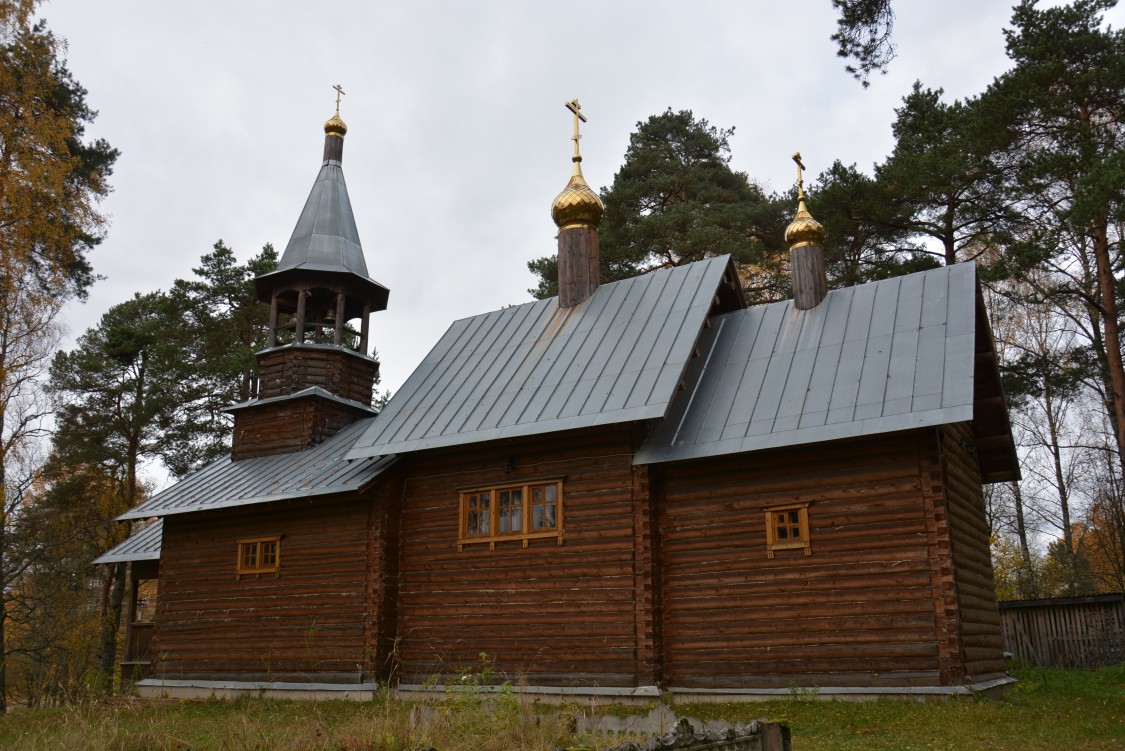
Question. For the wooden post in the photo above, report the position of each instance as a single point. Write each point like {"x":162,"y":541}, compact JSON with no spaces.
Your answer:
{"x":578,"y":264}
{"x":810,"y":282}
{"x":273,"y":320}
{"x":338,"y":334}
{"x":131,"y":616}
{"x":364,"y":327}
{"x":300,"y":335}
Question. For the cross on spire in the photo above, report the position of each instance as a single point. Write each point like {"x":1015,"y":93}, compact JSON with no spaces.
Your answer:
{"x":339,"y":92}
{"x":576,"y":108}
{"x":800,"y":177}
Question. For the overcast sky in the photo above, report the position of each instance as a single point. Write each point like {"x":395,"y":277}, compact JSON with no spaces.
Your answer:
{"x":458,"y":140}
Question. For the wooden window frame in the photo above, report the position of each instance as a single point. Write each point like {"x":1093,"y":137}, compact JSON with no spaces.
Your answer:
{"x":258,"y":569}
{"x":774,"y":543}
{"x":525,"y":533}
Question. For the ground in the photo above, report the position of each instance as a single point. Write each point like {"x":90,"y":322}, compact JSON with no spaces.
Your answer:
{"x":1048,"y":709}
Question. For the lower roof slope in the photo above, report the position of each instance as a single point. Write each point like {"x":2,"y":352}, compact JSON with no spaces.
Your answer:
{"x":141,"y":546}
{"x":890,"y":355}
{"x":537,"y":368}
{"x":320,"y":470}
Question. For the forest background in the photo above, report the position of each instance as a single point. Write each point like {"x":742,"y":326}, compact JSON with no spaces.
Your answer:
{"x":1025,"y":178}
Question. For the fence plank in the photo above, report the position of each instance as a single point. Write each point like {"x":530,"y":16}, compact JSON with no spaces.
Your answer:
{"x":1075,"y":632}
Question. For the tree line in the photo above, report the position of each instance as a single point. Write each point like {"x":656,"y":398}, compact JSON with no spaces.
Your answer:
{"x":1025,"y":178}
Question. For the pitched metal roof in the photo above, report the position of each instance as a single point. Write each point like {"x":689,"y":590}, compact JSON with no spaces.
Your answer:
{"x":326,"y":238}
{"x":305,"y":393}
{"x":536,"y":368}
{"x":319,"y":470}
{"x":142,"y":546}
{"x":890,"y":355}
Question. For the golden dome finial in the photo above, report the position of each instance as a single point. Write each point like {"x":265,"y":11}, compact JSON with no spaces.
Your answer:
{"x":578,"y":205}
{"x":335,"y":126}
{"x":803,"y":230}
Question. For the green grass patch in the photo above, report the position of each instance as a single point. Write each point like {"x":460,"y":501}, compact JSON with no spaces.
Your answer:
{"x":1048,"y":709}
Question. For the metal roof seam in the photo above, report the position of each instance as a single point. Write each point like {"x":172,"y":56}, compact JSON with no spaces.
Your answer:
{"x":476,"y":412}
{"x":463,"y":379}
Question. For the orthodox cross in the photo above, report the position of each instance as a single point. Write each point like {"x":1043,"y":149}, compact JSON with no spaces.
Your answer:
{"x":576,"y":108}
{"x":800,"y":178}
{"x":339,"y":92}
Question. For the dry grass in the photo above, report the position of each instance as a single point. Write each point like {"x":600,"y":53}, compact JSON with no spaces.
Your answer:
{"x":1047,"y":710}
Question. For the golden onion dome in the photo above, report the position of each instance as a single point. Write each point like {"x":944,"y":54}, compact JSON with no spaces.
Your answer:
{"x":335,"y":126}
{"x":803,"y":230}
{"x":577,"y":205}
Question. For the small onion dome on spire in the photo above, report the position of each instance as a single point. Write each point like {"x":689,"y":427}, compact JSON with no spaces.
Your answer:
{"x":578,"y":204}
{"x":803,"y":230}
{"x":335,"y":126}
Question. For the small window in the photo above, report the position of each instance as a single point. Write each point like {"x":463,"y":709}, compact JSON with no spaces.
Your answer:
{"x":511,"y":512}
{"x":787,"y":528}
{"x":261,"y":555}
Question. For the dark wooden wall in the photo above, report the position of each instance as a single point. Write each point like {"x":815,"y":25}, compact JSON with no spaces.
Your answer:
{"x":579,"y":613}
{"x":875,"y":602}
{"x":981,"y":644}
{"x":305,"y":625}
{"x":287,"y":370}
{"x":289,"y":425}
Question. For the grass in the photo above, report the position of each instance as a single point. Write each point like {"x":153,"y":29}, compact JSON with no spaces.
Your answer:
{"x":1048,"y":709}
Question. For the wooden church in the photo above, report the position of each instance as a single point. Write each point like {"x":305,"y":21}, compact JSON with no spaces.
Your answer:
{"x":632,"y":488}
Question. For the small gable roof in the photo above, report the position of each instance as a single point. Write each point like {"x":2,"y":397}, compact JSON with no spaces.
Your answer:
{"x":537,"y":368}
{"x":320,"y":470}
{"x":900,"y":353}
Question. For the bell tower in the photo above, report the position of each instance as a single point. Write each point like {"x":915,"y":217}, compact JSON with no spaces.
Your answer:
{"x":315,"y":375}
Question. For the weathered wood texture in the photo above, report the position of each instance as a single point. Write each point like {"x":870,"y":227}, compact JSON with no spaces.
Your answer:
{"x":859,"y":611}
{"x":291,"y":369}
{"x":306,"y":624}
{"x":578,"y":265}
{"x":810,"y":283}
{"x":1075,"y":632}
{"x":547,"y":614}
{"x":289,"y":425}
{"x":981,"y":644}
{"x":382,"y":581}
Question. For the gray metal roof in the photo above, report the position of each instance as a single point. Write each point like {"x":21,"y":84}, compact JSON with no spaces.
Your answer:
{"x":885,"y":356}
{"x":326,"y":238}
{"x":537,"y":368}
{"x":142,"y":546}
{"x":319,"y":470}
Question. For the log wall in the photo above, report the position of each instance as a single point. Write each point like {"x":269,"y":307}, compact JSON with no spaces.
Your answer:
{"x":287,"y":370}
{"x":307,"y":624}
{"x":283,"y":427}
{"x":981,"y":641}
{"x":547,"y":614}
{"x":868,"y":607}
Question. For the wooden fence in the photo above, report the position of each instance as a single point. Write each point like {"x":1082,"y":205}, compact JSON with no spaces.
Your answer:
{"x":1069,"y":632}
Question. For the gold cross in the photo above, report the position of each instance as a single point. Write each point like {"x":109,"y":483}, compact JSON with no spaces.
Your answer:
{"x":800,"y":177}
{"x":576,"y":108}
{"x":339,"y":92}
